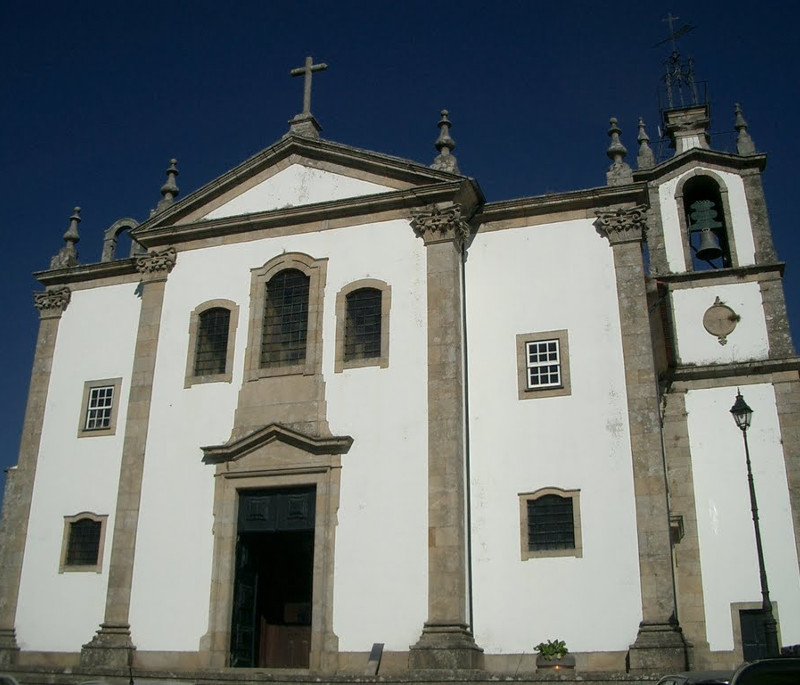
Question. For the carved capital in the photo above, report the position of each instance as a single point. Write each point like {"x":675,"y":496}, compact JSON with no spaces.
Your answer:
{"x":157,"y":263}
{"x":623,"y":225}
{"x":53,"y":302}
{"x":441,"y":225}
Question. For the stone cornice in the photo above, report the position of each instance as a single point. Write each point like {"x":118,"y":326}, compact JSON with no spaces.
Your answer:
{"x":440,"y":225}
{"x":231,"y":451}
{"x":590,"y":199}
{"x":687,"y":373}
{"x":623,"y":225}
{"x":53,"y":302}
{"x":156,"y":263}
{"x":722,"y":276}
{"x":87,"y":272}
{"x":400,"y":202}
{"x":723,"y":160}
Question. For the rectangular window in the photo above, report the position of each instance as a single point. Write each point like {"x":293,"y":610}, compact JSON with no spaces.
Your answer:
{"x":99,"y":408}
{"x":362,"y":329}
{"x":543,"y":364}
{"x":212,"y":342}
{"x":101,"y":402}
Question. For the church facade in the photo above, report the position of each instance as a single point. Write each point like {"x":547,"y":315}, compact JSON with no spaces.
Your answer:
{"x":336,"y":409}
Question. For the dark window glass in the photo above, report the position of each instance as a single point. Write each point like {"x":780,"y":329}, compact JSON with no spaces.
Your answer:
{"x":83,"y":545}
{"x":362,"y":328}
{"x":550,"y":523}
{"x":283,"y":340}
{"x":212,"y":342}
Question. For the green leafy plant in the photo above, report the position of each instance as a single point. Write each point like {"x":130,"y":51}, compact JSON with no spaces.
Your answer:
{"x":552,"y":649}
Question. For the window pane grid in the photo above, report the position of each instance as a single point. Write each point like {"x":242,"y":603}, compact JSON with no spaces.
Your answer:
{"x":362,"y":332}
{"x":283,"y":341}
{"x":551,"y":523}
{"x":212,"y":342}
{"x":101,"y":402}
{"x":543,"y":364}
{"x":83,"y":546}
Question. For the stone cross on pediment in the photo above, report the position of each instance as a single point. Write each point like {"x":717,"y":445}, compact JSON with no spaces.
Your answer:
{"x":307,"y":70}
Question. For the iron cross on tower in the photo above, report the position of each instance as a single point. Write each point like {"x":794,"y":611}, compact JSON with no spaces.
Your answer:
{"x":307,"y":71}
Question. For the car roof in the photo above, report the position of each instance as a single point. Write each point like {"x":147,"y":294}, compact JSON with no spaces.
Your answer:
{"x":701,"y":677}
{"x":780,"y":671}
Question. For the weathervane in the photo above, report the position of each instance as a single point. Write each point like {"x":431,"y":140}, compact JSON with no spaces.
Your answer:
{"x":679,"y":75}
{"x":306,"y":71}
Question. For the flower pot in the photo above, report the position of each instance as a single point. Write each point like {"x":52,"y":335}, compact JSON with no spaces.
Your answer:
{"x":555,"y":663}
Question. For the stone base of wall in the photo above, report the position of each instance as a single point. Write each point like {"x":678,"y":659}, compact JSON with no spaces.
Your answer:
{"x":659,"y":648}
{"x":445,"y":647}
{"x":9,"y":650}
{"x":111,"y":647}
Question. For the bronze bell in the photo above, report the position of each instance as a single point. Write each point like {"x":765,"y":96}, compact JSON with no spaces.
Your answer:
{"x":709,"y":245}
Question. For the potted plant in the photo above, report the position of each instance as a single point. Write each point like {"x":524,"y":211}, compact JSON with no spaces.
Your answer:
{"x":554,"y":654}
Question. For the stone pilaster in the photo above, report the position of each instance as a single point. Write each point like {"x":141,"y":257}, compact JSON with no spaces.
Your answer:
{"x":686,"y":547}
{"x":446,"y":641}
{"x":787,"y":399}
{"x":112,"y":645}
{"x":659,"y":645}
{"x":19,"y":481}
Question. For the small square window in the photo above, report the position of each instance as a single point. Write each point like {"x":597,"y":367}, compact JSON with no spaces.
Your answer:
{"x":543,"y":364}
{"x":550,"y":523}
{"x":99,"y":409}
{"x":82,"y":546}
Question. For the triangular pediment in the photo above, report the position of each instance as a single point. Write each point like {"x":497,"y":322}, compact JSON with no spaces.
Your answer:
{"x":296,"y":185}
{"x":283,"y":441}
{"x":289,"y":176}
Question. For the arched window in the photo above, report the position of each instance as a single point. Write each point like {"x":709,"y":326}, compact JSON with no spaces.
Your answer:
{"x":362,"y":327}
{"x":212,"y":342}
{"x":285,"y":328}
{"x":706,"y":225}
{"x":362,"y":324}
{"x":82,"y":547}
{"x":212,"y":337}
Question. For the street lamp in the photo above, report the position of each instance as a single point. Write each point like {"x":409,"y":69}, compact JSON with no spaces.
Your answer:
{"x":742,"y":415}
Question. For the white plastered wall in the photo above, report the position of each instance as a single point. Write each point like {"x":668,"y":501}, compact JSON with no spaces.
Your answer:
{"x":695,"y":345}
{"x":380,"y":575}
{"x":740,"y":216}
{"x":296,"y":185}
{"x":96,"y":337}
{"x":727,"y":542}
{"x":526,"y":280}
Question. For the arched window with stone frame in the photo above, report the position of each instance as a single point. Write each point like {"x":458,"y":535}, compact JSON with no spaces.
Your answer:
{"x":285,"y":334}
{"x":212,"y":336}
{"x":362,"y":324}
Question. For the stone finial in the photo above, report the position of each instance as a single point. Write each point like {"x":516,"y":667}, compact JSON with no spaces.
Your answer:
{"x":645,"y":159}
{"x":445,"y":161}
{"x":169,"y":191}
{"x":744,"y":143}
{"x":68,"y":256}
{"x":619,"y":173}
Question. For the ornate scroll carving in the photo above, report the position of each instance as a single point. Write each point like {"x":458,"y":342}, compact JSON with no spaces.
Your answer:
{"x":52,"y":302}
{"x":157,"y":261}
{"x":441,"y":225}
{"x":623,"y":225}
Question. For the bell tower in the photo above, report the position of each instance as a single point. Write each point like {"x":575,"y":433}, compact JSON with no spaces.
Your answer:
{"x":719,"y":324}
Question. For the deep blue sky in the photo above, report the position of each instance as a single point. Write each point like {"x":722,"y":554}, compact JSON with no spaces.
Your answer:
{"x":98,"y":96}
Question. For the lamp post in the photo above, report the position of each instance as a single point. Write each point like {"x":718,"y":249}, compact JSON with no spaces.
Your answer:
{"x":742,"y":415}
